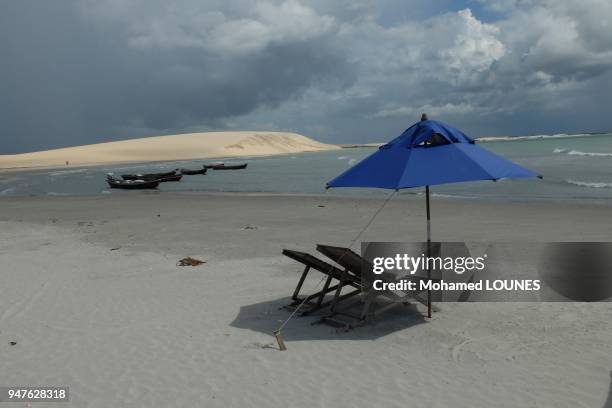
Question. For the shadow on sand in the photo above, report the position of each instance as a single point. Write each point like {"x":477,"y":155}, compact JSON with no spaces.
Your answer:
{"x":266,"y":317}
{"x":608,"y":403}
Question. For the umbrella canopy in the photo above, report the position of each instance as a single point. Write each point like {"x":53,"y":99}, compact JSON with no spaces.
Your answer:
{"x":428,"y":153}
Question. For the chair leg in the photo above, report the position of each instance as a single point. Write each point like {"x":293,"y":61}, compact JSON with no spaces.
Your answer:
{"x":339,"y":290}
{"x":323,"y":291}
{"x":296,"y":292}
{"x":316,"y":306}
{"x":366,"y":307}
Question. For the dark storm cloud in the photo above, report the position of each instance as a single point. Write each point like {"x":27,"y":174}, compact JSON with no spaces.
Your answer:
{"x":70,"y":79}
{"x":84,"y":71}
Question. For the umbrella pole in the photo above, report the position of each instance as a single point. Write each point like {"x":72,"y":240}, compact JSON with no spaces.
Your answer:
{"x":428,"y":250}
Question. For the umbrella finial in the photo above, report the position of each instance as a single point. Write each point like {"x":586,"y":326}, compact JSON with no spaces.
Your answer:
{"x":424,"y":116}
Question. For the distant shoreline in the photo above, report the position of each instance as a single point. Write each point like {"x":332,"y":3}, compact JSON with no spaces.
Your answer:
{"x":537,"y":137}
{"x":211,"y":160}
{"x":497,"y":138}
{"x":358,"y":145}
{"x":202,"y":146}
{"x":191,"y":146}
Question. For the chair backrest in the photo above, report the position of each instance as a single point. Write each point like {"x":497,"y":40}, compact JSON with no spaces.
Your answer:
{"x":309,"y":260}
{"x":355,"y":264}
{"x":345,"y":257}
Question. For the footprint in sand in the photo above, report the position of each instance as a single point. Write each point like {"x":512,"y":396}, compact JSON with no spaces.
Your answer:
{"x":456,"y":350}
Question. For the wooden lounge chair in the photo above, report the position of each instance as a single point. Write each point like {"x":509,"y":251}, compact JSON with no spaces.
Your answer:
{"x":314,"y":302}
{"x":354,"y":264}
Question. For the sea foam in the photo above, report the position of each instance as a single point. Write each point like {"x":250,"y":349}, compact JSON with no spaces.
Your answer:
{"x":8,"y":191}
{"x":593,"y":154}
{"x":533,"y":137}
{"x":590,"y":184}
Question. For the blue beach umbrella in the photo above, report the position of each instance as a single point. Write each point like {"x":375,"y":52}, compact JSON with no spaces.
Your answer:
{"x":428,"y":153}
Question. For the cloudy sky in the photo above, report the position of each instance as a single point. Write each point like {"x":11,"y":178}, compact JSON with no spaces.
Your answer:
{"x":84,"y":71}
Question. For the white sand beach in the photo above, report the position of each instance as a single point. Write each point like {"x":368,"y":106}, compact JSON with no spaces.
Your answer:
{"x":93,"y":298}
{"x":171,"y":147}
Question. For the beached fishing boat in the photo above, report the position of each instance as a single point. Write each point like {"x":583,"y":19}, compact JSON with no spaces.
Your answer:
{"x":169,"y":176}
{"x":131,"y":184}
{"x":223,"y":166}
{"x":193,"y":172}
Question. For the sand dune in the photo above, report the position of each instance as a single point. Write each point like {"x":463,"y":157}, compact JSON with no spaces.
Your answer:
{"x":172,"y":147}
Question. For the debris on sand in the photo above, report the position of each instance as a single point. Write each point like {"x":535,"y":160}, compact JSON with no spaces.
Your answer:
{"x":249,"y":227}
{"x":13,"y":343}
{"x":189,"y":261}
{"x":115,"y":248}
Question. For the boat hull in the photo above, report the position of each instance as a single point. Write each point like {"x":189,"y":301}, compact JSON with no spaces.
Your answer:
{"x":193,"y":172}
{"x":225,"y":167}
{"x":133,"y":185}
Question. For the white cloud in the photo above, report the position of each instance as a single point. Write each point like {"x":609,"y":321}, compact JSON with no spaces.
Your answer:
{"x":538,"y":49}
{"x":475,"y":46}
{"x":538,"y":59}
{"x":559,"y":39}
{"x":272,"y":24}
{"x":197,"y":25}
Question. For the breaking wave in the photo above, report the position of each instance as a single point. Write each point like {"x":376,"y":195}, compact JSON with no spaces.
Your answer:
{"x":594,"y":184}
{"x":8,"y":191}
{"x":593,"y":154}
{"x":533,"y":137}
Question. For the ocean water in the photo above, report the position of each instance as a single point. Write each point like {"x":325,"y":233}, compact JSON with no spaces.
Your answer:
{"x":575,"y":167}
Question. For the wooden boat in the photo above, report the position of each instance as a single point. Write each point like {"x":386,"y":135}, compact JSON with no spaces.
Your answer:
{"x":150,"y":176}
{"x":176,"y":177}
{"x":223,"y":166}
{"x":193,"y":172}
{"x":161,"y":177}
{"x":131,"y":184}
